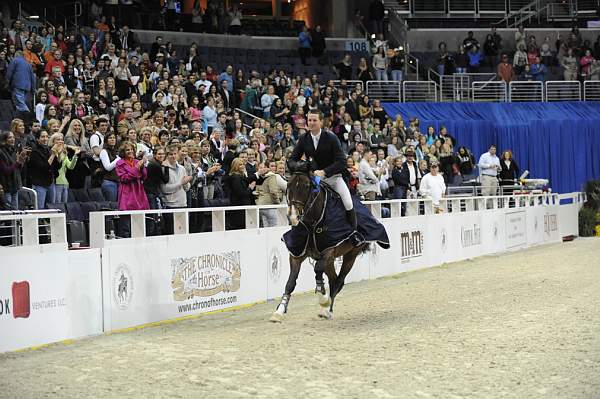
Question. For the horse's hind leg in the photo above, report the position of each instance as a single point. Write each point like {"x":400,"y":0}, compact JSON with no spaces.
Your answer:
{"x":347,"y":265}
{"x":295,"y":264}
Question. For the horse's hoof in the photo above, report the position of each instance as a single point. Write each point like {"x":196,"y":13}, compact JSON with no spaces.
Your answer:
{"x":325,"y":313}
{"x":276,"y":317}
{"x":324,"y":300}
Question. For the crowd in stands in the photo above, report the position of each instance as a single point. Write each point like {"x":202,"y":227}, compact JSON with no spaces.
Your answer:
{"x":153,"y":131}
{"x":529,"y":60}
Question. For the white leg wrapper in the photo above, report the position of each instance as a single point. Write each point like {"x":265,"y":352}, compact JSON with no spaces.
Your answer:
{"x":339,"y":186}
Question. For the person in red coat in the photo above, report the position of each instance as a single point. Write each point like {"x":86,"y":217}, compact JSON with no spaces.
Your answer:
{"x":131,"y":173}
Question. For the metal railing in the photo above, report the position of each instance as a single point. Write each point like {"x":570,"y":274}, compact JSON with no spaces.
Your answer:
{"x":459,"y":86}
{"x":525,"y":91}
{"x":591,"y":90}
{"x":389,"y":91}
{"x":494,"y":91}
{"x":419,"y":91}
{"x":567,"y":90}
{"x":249,"y":116}
{"x":514,"y":11}
{"x":350,"y":84}
{"x":32,"y":228}
{"x":411,"y":64}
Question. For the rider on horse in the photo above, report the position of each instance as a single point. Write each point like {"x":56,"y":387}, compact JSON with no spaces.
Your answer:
{"x":324,"y":152}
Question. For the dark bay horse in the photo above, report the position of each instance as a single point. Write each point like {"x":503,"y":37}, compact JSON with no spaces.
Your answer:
{"x":306,"y":206}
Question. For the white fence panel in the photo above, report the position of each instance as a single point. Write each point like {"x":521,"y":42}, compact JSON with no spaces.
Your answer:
{"x":591,"y":90}
{"x":419,"y":91}
{"x":526,"y":91}
{"x":489,"y":91}
{"x":390,"y":91}
{"x":563,"y":90}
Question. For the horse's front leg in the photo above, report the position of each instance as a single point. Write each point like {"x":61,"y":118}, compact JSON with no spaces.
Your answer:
{"x":326,"y":310}
{"x":320,"y":283}
{"x":295,"y":264}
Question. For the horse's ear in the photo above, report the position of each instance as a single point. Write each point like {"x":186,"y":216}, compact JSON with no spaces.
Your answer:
{"x":297,"y":166}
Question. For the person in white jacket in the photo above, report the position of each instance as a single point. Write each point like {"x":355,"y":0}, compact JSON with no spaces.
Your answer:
{"x":173,"y":192}
{"x":368,"y":181}
{"x":433,"y":186}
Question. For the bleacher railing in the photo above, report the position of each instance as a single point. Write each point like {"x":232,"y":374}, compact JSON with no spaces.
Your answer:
{"x":350,"y":84}
{"x":526,"y":91}
{"x":390,"y":90}
{"x":567,"y":90}
{"x":489,"y":91}
{"x":591,"y":90}
{"x":419,"y":91}
{"x":380,"y":209}
{"x":32,"y":228}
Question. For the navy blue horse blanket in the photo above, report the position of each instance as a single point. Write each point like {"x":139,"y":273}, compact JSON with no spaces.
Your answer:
{"x":333,"y":228}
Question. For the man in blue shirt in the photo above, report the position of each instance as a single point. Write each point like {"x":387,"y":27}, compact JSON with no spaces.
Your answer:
{"x":228,"y":76}
{"x":304,"y":43}
{"x":538,"y":70}
{"x":19,"y":75}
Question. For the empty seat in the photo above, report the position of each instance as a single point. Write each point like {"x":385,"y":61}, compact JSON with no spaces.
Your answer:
{"x":61,"y":206}
{"x":74,"y":211}
{"x":95,"y":194}
{"x":86,"y":208}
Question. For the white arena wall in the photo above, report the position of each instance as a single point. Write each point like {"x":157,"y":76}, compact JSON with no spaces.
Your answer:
{"x":78,"y":293}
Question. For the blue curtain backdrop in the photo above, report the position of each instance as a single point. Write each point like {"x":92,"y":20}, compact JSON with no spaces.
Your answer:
{"x":556,"y":141}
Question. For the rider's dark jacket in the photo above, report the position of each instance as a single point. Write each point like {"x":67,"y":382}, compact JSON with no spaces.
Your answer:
{"x":328,"y":156}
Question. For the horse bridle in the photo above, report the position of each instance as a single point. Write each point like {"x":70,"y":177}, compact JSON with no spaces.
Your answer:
{"x":305,"y":209}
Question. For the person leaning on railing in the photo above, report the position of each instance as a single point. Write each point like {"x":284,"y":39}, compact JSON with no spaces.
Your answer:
{"x":433,"y":186}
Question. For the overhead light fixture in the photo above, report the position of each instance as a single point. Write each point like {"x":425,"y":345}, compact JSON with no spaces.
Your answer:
{"x":33,"y":17}
{"x":373,"y":36}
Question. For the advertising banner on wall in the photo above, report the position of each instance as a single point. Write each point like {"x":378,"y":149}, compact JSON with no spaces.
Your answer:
{"x":48,"y":297}
{"x":184,"y":275}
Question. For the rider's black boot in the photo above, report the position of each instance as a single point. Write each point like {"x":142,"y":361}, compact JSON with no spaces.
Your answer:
{"x":356,"y":238}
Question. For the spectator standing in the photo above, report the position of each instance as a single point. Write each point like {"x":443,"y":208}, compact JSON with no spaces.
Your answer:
{"x":60,"y":188}
{"x":344,"y":68}
{"x":520,"y":38}
{"x":318,"y":44}
{"x":304,"y":45}
{"x":505,"y":70}
{"x":156,"y":175}
{"x":475,"y":58}
{"x":509,"y":172}
{"x":489,"y":166}
{"x":376,"y":15}
{"x":268,"y":193}
{"x":11,"y":164}
{"x":42,"y":167}
{"x":519,"y":60}
{"x":538,"y":70}
{"x":131,"y":173}
{"x":469,"y":42}
{"x":240,"y":192}
{"x":433,"y":186}
{"x":586,"y":62}
{"x":409,"y":179}
{"x":461,"y":61}
{"x":235,"y":24}
{"x":491,"y":51}
{"x":108,"y":158}
{"x":368,"y":181}
{"x":569,"y":63}
{"x":21,"y":79}
{"x":380,"y":65}
{"x":397,"y":65}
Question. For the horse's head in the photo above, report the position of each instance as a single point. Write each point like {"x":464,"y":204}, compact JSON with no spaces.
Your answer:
{"x":299,"y":191}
